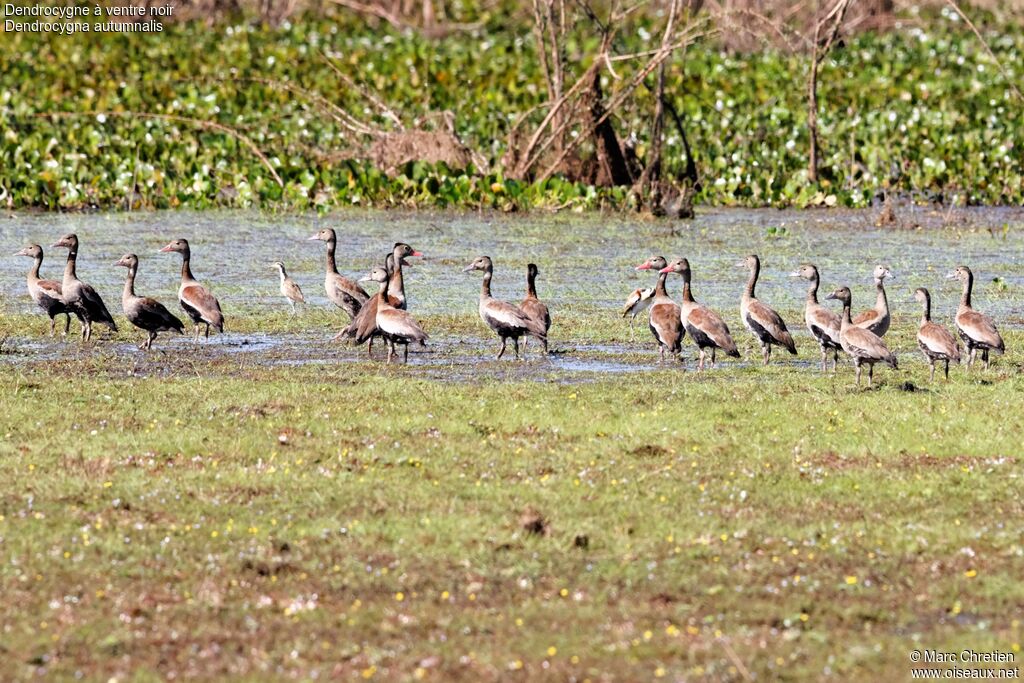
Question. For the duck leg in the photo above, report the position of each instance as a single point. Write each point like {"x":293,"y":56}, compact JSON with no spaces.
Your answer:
{"x":931,"y":363}
{"x":947,"y":369}
{"x":515,"y":341}
{"x":700,"y":360}
{"x":713,"y":349}
{"x":391,"y":352}
{"x":835,"y":359}
{"x":871,"y":373}
{"x":984,"y":357}
{"x":632,"y":331}
{"x":504,"y":341}
{"x":53,"y":326}
{"x":857,"y":364}
{"x":406,"y":358}
{"x":824,"y":359}
{"x":766,"y":353}
{"x":369,"y":346}
{"x":207,"y":330}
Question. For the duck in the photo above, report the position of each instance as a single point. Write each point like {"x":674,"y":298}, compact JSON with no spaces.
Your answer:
{"x":822,"y":323}
{"x":637,"y":301}
{"x":705,"y":326}
{"x":364,"y":326}
{"x":78,"y":297}
{"x":343,"y":293}
{"x":46,"y":293}
{"x":976,"y":329}
{"x":664,"y":319}
{"x":195,"y":299}
{"x":393,"y":324}
{"x":143,"y":312}
{"x":761,"y":319}
{"x":861,"y":344}
{"x":934,"y":340}
{"x":533,"y":307}
{"x":290,"y":289}
{"x":507,"y":320}
{"x":877,"y":319}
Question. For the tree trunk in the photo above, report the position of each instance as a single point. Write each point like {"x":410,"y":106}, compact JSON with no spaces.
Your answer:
{"x":612,"y":169}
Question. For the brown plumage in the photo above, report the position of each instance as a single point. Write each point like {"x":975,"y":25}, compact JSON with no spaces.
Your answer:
{"x":822,"y":323}
{"x":364,"y":327}
{"x":46,"y":293}
{"x":935,"y":341}
{"x":506,"y":320}
{"x":195,"y":299}
{"x":533,"y":307}
{"x":862,"y":345}
{"x":877,"y":319}
{"x":343,"y":293}
{"x":80,"y":298}
{"x":760,"y":318}
{"x":976,"y":329}
{"x":290,"y":289}
{"x":663,"y":318}
{"x":706,"y":328}
{"x":393,"y":324}
{"x":143,"y":312}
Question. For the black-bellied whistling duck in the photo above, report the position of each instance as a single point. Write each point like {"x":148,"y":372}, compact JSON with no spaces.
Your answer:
{"x":395,"y":325}
{"x":80,"y":298}
{"x":663,"y":319}
{"x":706,"y":327}
{"x":533,"y":307}
{"x":195,"y":299}
{"x":638,"y":300}
{"x":935,"y":341}
{"x":877,"y":319}
{"x":760,"y":318}
{"x":46,"y":293}
{"x":863,"y":345}
{"x":976,"y":329}
{"x":343,"y":293}
{"x":145,"y":313}
{"x":290,"y":289}
{"x":507,"y":320}
{"x":822,"y":323}
{"x":364,"y":326}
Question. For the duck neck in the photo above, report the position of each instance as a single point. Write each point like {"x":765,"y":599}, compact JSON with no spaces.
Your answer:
{"x":881,"y":303}
{"x":186,"y":267}
{"x":687,"y":292}
{"x":846,"y":313}
{"x":926,"y":309}
{"x":69,"y":267}
{"x":396,"y":283}
{"x":280,"y":271}
{"x":33,"y":273}
{"x":659,"y":289}
{"x":383,"y":302}
{"x":965,"y":297}
{"x":812,"y":291}
{"x":332,"y":266}
{"x":752,"y":281}
{"x":129,"y":284}
{"x":531,"y":284}
{"x":485,"y":288}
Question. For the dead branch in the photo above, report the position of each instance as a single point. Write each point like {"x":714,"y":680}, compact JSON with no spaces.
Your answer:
{"x":818,"y":54}
{"x":385,"y":110}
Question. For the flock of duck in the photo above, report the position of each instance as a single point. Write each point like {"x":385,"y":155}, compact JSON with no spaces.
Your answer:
{"x":383,"y":315}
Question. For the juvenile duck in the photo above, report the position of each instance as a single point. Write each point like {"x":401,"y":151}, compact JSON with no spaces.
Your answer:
{"x":506,"y":320}
{"x":877,"y":319}
{"x":80,"y":298}
{"x":862,"y":345}
{"x":290,"y":289}
{"x":760,"y":318}
{"x":46,"y":293}
{"x":935,"y":341}
{"x":822,"y":323}
{"x":143,"y":312}
{"x":976,"y":329}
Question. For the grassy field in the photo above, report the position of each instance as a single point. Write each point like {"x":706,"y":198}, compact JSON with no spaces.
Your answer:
{"x":190,"y":515}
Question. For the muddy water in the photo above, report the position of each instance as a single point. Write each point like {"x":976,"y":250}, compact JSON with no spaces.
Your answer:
{"x":586,"y":264}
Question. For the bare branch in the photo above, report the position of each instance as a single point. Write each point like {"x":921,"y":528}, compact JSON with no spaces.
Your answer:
{"x":1009,"y":81}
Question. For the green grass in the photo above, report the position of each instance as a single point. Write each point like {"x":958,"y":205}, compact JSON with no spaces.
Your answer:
{"x":220,"y":519}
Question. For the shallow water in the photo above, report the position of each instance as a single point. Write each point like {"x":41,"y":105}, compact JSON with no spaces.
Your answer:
{"x":586,"y":264}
